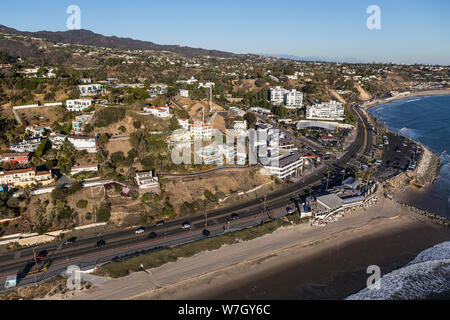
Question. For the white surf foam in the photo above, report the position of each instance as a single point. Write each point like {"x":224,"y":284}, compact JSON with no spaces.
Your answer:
{"x":428,"y":273}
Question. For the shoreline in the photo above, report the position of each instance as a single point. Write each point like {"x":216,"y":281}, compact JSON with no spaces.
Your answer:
{"x":297,"y":262}
{"x":388,"y":234}
{"x":408,"y":194}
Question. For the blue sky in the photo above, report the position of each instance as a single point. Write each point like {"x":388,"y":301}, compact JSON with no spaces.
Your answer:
{"x":411,"y":31}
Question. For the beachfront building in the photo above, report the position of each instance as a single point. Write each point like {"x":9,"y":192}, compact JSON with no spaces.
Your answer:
{"x":160,"y":112}
{"x":27,"y":145}
{"x":22,"y":158}
{"x":88,"y":90}
{"x":77,"y":105}
{"x":25,"y":177}
{"x":201,"y":131}
{"x":332,"y":110}
{"x":287,"y":166}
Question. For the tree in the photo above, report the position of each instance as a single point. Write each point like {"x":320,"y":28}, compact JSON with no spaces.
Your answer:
{"x":251,"y":119}
{"x":42,"y":149}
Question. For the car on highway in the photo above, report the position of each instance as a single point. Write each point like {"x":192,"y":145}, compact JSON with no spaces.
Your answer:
{"x":290,"y":210}
{"x":160,"y":223}
{"x":100,"y":243}
{"x":140,"y":230}
{"x":234,"y":216}
{"x":69,"y":241}
{"x":42,"y":255}
{"x":152,"y":235}
{"x":206,"y":233}
{"x":185,"y":225}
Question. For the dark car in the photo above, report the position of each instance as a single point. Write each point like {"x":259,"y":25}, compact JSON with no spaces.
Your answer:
{"x":160,"y":223}
{"x":152,"y":235}
{"x":206,"y":233}
{"x":42,"y":255}
{"x":234,"y":216}
{"x":70,"y":241}
{"x":101,"y":243}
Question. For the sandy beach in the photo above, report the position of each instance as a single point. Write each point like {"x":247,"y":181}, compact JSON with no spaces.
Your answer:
{"x":297,"y":262}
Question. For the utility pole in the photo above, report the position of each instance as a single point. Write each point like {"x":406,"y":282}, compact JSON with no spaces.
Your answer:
{"x":328,"y":179}
{"x":206,"y":214}
{"x":35,"y":267}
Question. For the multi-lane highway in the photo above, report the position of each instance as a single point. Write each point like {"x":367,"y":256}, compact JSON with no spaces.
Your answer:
{"x":86,"y":254}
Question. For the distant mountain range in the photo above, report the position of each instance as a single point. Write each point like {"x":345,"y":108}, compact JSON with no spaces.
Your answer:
{"x":89,"y":38}
{"x":313,"y":58}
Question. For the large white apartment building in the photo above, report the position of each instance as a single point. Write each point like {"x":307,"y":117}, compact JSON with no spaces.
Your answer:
{"x":332,"y":110}
{"x":287,"y":166}
{"x":87,"y":90}
{"x":293,"y":99}
{"x":77,"y":105}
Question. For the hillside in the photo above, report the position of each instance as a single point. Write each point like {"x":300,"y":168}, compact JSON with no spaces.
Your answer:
{"x":86,"y":37}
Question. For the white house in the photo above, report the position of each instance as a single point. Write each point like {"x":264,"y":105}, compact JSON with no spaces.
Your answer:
{"x":184,"y":123}
{"x":160,"y":112}
{"x":78,"y":104}
{"x":184,"y":93}
{"x":146,"y":180}
{"x":201,"y":131}
{"x":79,"y":142}
{"x":77,"y":169}
{"x":332,"y":110}
{"x":206,"y":85}
{"x":86,"y":90}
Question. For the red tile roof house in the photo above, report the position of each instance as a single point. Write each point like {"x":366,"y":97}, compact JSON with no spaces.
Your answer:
{"x":20,"y":157}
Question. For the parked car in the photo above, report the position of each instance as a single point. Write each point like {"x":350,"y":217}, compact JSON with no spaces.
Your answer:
{"x":290,"y":210}
{"x":42,"y":255}
{"x":70,"y":241}
{"x":140,"y":230}
{"x":152,"y":235}
{"x":101,"y":243}
{"x":185,"y":225}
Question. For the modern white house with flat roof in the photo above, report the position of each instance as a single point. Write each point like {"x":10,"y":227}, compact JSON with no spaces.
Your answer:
{"x":146,"y":180}
{"x":77,"y":105}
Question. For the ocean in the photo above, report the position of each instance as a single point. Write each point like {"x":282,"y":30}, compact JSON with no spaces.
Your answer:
{"x":426,"y":120}
{"x":426,"y":277}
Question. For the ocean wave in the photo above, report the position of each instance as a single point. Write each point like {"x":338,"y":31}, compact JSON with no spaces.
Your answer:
{"x":428,"y":274}
{"x":412,"y":133}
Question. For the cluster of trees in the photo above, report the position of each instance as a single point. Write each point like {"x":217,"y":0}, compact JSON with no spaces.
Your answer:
{"x":106,"y":117}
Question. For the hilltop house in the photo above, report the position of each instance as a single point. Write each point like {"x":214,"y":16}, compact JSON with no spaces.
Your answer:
{"x":78,"y":104}
{"x":87,"y":90}
{"x":25,"y":177}
{"x":22,"y":158}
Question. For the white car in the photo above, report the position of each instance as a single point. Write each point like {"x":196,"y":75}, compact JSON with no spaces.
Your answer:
{"x":140,"y":230}
{"x":185,"y":225}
